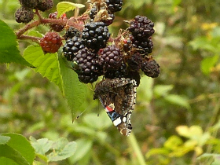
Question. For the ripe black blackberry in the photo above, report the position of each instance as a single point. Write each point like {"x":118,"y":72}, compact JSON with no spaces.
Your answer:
{"x":150,"y":68}
{"x":95,"y":35}
{"x":120,"y":73}
{"x":144,"y":46}
{"x":114,"y":5}
{"x":141,"y":27}
{"x":71,"y":47}
{"x":56,"y":27}
{"x":44,"y":5}
{"x":93,"y":12}
{"x":134,"y":62}
{"x":110,"y":58}
{"x":29,"y":3}
{"x":24,"y":15}
{"x":89,"y":69}
{"x":71,"y":32}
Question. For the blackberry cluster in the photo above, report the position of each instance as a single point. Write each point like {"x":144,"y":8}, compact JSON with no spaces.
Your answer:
{"x":25,"y":13}
{"x":95,"y":35}
{"x":56,"y":27}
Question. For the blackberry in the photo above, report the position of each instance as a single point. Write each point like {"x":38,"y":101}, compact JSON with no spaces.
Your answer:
{"x":71,"y":32}
{"x":110,"y":58}
{"x":24,"y":15}
{"x":89,"y":69}
{"x":95,"y":35}
{"x":144,"y":47}
{"x":134,"y":62}
{"x":57,"y":27}
{"x":29,"y":3}
{"x":114,"y":5}
{"x":121,"y":72}
{"x":141,"y":27}
{"x":71,"y":47}
{"x":150,"y":68}
{"x":51,"y":42}
{"x":44,"y":5}
{"x":93,"y":12}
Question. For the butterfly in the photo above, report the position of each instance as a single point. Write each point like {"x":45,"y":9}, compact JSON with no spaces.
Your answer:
{"x":118,"y":97}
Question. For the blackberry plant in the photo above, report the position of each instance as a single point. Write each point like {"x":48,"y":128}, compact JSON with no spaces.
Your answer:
{"x":57,"y":27}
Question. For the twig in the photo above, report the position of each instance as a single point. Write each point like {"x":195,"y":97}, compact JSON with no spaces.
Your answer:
{"x":24,"y":37}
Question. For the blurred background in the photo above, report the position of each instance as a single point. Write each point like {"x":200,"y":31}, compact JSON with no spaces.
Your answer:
{"x":176,"y":118}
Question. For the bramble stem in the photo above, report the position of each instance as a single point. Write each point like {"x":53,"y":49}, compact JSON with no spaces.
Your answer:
{"x":34,"y":39}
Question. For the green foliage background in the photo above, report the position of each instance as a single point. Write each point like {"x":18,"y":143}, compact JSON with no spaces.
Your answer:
{"x":176,"y":120}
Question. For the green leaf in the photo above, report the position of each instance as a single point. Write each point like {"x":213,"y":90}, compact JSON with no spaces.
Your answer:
{"x":22,"y":146}
{"x":35,"y":33}
{"x":162,"y":90}
{"x":97,"y":122}
{"x":63,"y":7}
{"x":4,"y":139}
{"x":83,"y":147}
{"x":46,"y":64}
{"x":173,"y":142}
{"x":207,"y":63}
{"x":41,"y":146}
{"x":63,"y":150}
{"x":202,"y":43}
{"x":9,"y":47}
{"x":74,"y":90}
{"x":10,"y":153}
{"x":178,"y":100}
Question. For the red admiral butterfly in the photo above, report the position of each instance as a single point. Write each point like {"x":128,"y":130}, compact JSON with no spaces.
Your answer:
{"x":118,"y":97}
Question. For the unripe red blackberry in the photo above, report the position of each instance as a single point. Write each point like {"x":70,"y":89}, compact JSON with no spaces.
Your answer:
{"x":29,"y":3}
{"x":24,"y":15}
{"x":110,"y":58}
{"x":95,"y":35}
{"x":114,"y":5}
{"x":150,"y":68}
{"x":71,"y":32}
{"x":57,"y":27}
{"x":44,"y":5}
{"x":51,"y":42}
{"x":141,"y":27}
{"x":71,"y":47}
{"x":87,"y":61}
